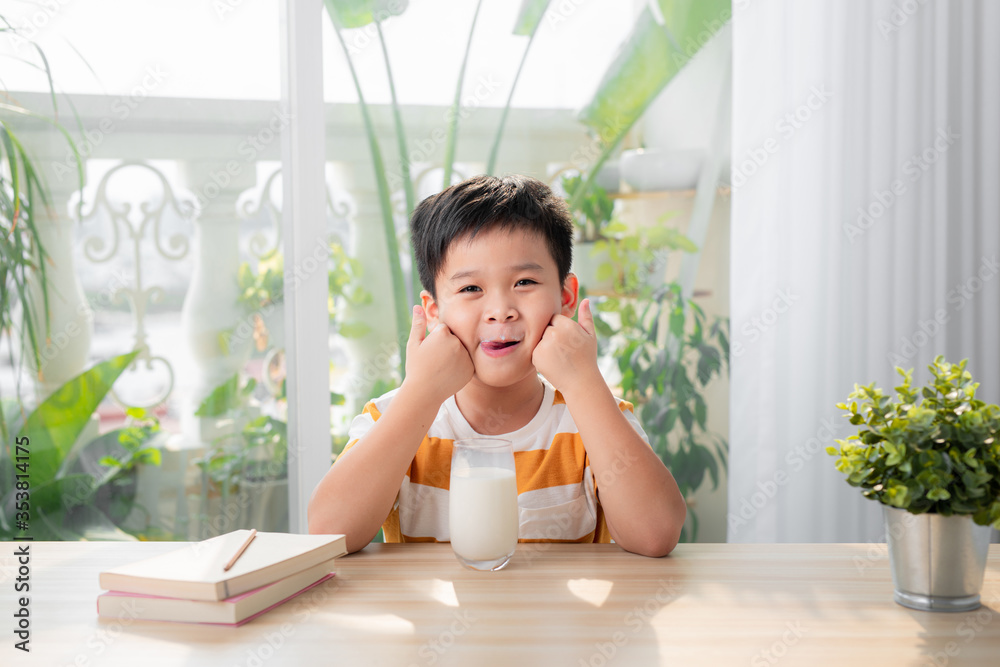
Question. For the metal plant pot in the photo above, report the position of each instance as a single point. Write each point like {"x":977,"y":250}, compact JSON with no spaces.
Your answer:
{"x":938,"y":562}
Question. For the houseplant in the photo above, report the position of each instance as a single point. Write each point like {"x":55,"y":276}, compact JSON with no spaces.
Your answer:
{"x":932,"y":458}
{"x":74,"y":494}
{"x":262,"y":294}
{"x":667,"y":351}
{"x":26,"y":214}
{"x":595,"y":221}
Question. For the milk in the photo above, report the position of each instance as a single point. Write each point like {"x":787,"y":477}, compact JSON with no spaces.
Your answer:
{"x":483,"y":516}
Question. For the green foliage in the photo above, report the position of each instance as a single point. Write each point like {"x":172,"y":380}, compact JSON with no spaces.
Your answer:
{"x":934,"y":450}
{"x":62,"y":501}
{"x":264,"y":287}
{"x":650,"y":58}
{"x":23,"y":208}
{"x":667,"y":353}
{"x":593,"y":212}
{"x":359,"y":13}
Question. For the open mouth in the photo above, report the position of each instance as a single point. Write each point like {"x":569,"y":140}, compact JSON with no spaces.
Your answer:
{"x":498,"y":347}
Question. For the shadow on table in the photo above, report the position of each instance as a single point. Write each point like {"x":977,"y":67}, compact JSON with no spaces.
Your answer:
{"x":964,"y":638}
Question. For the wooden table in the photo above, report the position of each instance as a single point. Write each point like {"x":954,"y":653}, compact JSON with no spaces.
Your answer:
{"x":555,"y":604}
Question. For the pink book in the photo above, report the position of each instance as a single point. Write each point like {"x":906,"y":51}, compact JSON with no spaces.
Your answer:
{"x":233,"y":611}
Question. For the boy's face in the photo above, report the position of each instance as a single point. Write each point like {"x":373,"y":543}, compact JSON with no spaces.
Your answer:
{"x":497,"y":293}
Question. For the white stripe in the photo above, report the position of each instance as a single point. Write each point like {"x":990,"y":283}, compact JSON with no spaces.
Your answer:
{"x":556,"y":513}
{"x":423,"y":511}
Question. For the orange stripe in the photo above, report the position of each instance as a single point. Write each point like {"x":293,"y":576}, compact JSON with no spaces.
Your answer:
{"x":390,"y":527}
{"x":558,"y":399}
{"x":432,"y":464}
{"x":407,"y":538}
{"x":560,"y":464}
{"x":371,"y":410}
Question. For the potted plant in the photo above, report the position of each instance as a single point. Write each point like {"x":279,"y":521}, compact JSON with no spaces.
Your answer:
{"x":667,"y":353}
{"x":932,"y":458}
{"x":596,"y":224}
{"x":262,"y":295}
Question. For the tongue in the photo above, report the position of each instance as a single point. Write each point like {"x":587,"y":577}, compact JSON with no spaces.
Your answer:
{"x":499,"y":345}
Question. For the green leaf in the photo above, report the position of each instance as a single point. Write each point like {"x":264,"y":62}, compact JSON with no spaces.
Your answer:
{"x":530,"y":16}
{"x":348,"y":14}
{"x":677,"y":323}
{"x":225,"y":397}
{"x":55,"y":425}
{"x":650,"y":57}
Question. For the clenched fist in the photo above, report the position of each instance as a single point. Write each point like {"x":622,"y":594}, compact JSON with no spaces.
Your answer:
{"x":436,"y":361}
{"x":567,"y":353}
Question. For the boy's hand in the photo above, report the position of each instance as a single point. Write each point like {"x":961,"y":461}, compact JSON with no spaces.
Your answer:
{"x":437,"y":362}
{"x":567,"y":353}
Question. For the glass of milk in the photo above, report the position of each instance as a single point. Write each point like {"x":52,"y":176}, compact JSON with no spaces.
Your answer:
{"x":483,"y":518}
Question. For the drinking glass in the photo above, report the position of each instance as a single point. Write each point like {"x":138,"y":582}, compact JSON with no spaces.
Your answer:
{"x":483,"y":517}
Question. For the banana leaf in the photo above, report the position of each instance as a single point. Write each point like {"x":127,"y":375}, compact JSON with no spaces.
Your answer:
{"x":347,"y":14}
{"x":648,"y":60}
{"x":48,"y":434}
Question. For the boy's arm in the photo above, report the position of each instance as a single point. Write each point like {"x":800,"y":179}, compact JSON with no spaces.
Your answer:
{"x":356,"y":495}
{"x":642,"y":505}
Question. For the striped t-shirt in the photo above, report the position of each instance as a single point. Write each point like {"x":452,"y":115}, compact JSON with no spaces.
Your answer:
{"x":557,"y":492}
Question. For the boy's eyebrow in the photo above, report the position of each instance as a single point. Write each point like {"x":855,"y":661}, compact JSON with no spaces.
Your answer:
{"x":528,"y":266}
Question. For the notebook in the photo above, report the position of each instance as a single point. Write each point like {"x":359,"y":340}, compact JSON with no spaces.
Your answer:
{"x":234,"y":611}
{"x":194,"y":572}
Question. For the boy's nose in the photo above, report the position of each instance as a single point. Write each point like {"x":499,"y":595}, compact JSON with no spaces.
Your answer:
{"x":501,"y":313}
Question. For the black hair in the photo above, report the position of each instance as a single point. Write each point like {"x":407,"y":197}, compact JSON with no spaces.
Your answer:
{"x":483,"y":203}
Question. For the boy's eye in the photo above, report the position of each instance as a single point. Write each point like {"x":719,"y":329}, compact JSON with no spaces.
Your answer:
{"x":526,"y":281}
{"x":470,"y":288}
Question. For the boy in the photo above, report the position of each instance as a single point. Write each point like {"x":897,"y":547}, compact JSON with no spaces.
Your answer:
{"x":494,"y":257}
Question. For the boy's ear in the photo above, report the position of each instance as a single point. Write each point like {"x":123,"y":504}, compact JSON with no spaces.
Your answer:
{"x":430,"y":308}
{"x":570,"y":294}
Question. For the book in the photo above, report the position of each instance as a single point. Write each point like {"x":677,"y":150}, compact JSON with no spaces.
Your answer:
{"x":233,"y":611}
{"x":195,"y":572}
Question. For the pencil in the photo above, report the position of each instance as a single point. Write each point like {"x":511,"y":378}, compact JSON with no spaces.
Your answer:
{"x":253,"y":534}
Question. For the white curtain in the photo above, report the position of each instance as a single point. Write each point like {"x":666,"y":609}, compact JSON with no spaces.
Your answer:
{"x":865,"y":235}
